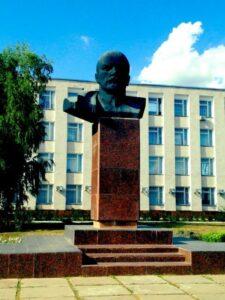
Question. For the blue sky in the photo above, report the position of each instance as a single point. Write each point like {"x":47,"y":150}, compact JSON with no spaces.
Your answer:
{"x":73,"y":34}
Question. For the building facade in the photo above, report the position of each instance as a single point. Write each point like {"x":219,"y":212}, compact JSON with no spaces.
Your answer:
{"x":182,"y":149}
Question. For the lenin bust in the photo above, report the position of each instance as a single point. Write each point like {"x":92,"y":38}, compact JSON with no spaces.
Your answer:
{"x":112,"y":75}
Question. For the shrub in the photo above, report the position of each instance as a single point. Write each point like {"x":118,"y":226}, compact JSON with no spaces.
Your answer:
{"x":213,"y":237}
{"x":21,"y":218}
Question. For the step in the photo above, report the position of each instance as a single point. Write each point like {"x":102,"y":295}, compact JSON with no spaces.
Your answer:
{"x":127,"y":248}
{"x":132,"y":257}
{"x":136,"y":268}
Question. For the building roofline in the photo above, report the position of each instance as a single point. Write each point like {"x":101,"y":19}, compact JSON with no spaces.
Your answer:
{"x":148,"y":84}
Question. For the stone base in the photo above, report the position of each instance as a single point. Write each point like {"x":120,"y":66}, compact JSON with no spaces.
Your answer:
{"x":109,"y":252}
{"x":88,"y":235}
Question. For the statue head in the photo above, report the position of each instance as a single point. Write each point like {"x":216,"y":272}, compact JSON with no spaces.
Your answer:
{"x":112,"y":72}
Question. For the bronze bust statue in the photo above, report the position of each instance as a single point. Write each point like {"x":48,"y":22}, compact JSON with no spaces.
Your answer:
{"x":112,"y":75}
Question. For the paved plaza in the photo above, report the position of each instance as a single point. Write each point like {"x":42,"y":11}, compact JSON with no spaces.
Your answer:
{"x":153,"y":287}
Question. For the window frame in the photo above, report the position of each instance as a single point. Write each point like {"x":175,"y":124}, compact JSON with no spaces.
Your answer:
{"x":183,"y":105}
{"x":211,"y":166}
{"x":158,"y":132}
{"x":211,"y":192}
{"x":158,"y":103}
{"x":208,"y":106}
{"x":78,"y":136}
{"x":76,"y":161}
{"x":50,"y":157}
{"x":185,"y":191}
{"x":51,"y":100}
{"x":73,"y":188}
{"x":159,"y":165}
{"x":49,"y":198}
{"x":185,"y":167}
{"x":209,"y":137}
{"x":184,"y":132}
{"x":159,"y":193}
{"x":50,"y":129}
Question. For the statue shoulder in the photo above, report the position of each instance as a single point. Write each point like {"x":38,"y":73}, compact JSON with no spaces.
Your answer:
{"x":135,"y":101}
{"x":90,"y":97}
{"x":81,"y":105}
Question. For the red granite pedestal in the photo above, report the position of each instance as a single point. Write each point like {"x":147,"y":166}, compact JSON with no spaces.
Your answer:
{"x":115,"y":244}
{"x":115,"y":173}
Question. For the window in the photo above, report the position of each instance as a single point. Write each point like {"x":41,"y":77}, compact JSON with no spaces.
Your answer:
{"x":154,"y":106}
{"x":73,"y":194}
{"x":156,"y":195}
{"x":180,"y":108}
{"x":155,"y":135}
{"x":206,"y":137}
{"x":181,"y":166}
{"x":46,"y":99}
{"x":208,"y":196}
{"x":181,"y":138}
{"x":48,"y":157}
{"x":205,"y":108}
{"x":74,"y":163}
{"x":74,"y":132}
{"x":182,"y":197}
{"x":207,"y":167}
{"x":45,"y":194}
{"x":155,"y":165}
{"x":49,"y":131}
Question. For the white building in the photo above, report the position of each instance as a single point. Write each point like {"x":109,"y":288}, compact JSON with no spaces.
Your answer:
{"x":182,"y":149}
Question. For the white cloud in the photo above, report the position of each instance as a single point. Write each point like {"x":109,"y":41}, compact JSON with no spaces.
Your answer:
{"x":85,"y":39}
{"x":177,"y":62}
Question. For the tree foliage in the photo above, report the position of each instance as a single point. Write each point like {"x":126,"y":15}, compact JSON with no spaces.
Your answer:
{"x":23,"y":76}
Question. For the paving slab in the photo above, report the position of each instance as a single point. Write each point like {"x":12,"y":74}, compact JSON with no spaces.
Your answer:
{"x":165,"y":297}
{"x":196,"y":245}
{"x":210,"y":297}
{"x":8,"y":294}
{"x":202,"y":288}
{"x":141,"y":279}
{"x":154,"y":289}
{"x":43,"y":282}
{"x":8,"y":283}
{"x":49,"y":298}
{"x":47,"y":291}
{"x":186,"y":279}
{"x":124,"y":297}
{"x":219,"y":278}
{"x":39,"y":244}
{"x":98,"y":290}
{"x":104,"y":280}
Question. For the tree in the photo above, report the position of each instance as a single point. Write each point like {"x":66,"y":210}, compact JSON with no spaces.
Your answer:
{"x":23,"y":76}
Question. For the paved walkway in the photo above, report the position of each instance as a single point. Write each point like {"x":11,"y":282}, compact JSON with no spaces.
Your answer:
{"x":168,"y":287}
{"x":195,"y":245}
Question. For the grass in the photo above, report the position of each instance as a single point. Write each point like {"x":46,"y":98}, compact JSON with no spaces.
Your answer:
{"x":205,"y":232}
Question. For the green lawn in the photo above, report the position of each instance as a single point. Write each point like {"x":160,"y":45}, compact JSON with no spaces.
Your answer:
{"x":196,"y":228}
{"x":206,"y":232}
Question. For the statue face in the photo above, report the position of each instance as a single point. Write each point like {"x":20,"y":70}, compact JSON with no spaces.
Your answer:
{"x":112,"y":72}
